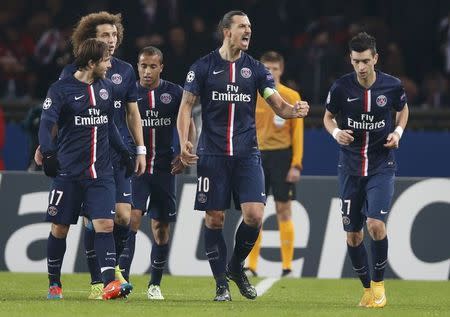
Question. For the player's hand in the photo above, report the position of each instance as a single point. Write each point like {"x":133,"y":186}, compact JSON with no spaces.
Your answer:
{"x":50,"y":164}
{"x":38,"y":156}
{"x":392,"y":140}
{"x":140,"y":164}
{"x":301,"y":109}
{"x":293,"y":175}
{"x":187,"y":156}
{"x":344,"y":137}
{"x":177,"y":165}
{"x":127,"y":161}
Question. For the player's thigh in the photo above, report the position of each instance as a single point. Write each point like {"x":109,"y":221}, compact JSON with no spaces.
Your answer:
{"x":248,"y":180}
{"x":65,"y":199}
{"x":380,"y":190}
{"x":141,"y":192}
{"x":99,"y":198}
{"x":353,"y":198}
{"x":213,"y":183}
{"x":162,"y":205}
{"x":123,"y":185}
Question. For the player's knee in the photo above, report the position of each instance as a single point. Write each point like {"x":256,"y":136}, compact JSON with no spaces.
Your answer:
{"x":376,"y":228}
{"x":123,"y":212}
{"x":103,"y":225}
{"x":355,"y":238}
{"x":59,"y":231}
{"x":284,"y":212}
{"x":214,"y":220}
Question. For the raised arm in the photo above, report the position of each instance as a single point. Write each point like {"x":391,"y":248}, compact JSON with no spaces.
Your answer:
{"x":282,"y":108}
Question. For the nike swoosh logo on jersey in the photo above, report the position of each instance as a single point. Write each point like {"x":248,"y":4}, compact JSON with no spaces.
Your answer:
{"x":383,"y":212}
{"x":126,"y":194}
{"x":139,"y":99}
{"x":79,"y":97}
{"x":112,"y":212}
{"x":215,"y":72}
{"x":352,"y":99}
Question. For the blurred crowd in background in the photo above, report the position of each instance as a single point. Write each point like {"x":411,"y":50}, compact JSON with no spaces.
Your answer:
{"x":413,"y":40}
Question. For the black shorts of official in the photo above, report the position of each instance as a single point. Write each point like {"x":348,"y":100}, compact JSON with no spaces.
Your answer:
{"x":276,"y":165}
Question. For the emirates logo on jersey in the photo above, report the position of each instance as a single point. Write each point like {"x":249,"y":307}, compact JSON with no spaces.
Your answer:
{"x":165,"y":98}
{"x":246,"y":72}
{"x":381,"y":101}
{"x":116,"y":78}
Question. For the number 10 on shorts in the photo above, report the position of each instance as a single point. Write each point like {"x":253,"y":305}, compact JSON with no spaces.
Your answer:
{"x":203,"y":184}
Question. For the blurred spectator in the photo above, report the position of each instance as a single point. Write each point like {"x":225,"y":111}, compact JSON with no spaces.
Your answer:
{"x":201,"y":39}
{"x":2,"y":138}
{"x":444,"y":37}
{"x":177,"y":56}
{"x":435,"y":91}
{"x":31,"y":126}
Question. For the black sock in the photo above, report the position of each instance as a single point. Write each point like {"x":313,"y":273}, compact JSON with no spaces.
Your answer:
{"x":106,"y":255}
{"x":55,"y":255}
{"x":246,"y":237}
{"x":216,"y":252}
{"x":360,"y":262}
{"x":379,"y":258}
{"x":126,"y":257}
{"x":121,"y":234}
{"x":91,"y":256}
{"x":158,"y":260}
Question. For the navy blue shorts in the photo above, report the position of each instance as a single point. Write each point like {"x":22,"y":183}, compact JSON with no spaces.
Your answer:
{"x":123,"y":185}
{"x":219,"y":177}
{"x":159,"y":190}
{"x":365,"y":197}
{"x":68,"y":197}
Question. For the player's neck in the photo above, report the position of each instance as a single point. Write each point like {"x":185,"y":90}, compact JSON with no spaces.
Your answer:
{"x":367,"y":82}
{"x":152,"y":86}
{"x":229,"y":53}
{"x":84,"y":76}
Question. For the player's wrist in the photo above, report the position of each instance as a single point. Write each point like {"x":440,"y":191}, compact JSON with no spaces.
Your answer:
{"x":399,"y":131}
{"x":335,"y":132}
{"x":141,"y":150}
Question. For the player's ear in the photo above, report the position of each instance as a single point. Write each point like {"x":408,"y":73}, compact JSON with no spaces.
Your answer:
{"x":375,"y":58}
{"x":162,"y":67}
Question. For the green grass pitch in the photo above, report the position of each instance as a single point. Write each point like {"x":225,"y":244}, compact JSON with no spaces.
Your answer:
{"x":24,"y":294}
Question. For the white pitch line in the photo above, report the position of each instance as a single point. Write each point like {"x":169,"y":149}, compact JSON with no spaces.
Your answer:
{"x":265,"y":285}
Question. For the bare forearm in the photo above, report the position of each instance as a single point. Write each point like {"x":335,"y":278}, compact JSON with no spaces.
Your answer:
{"x":184,"y":116}
{"x":134,"y":123}
{"x":401,"y":118}
{"x":329,"y":122}
{"x":192,"y":132}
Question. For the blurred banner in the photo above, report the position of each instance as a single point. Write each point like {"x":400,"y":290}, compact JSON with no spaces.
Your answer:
{"x":419,"y":246}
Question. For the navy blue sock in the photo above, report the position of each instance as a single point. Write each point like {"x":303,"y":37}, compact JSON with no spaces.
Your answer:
{"x":126,"y":257}
{"x":379,"y":258}
{"x":216,"y":252}
{"x":121,"y":234}
{"x":106,"y":255}
{"x":246,"y":237}
{"x":91,"y":256}
{"x":360,"y":262}
{"x":158,"y":260}
{"x":55,"y":255}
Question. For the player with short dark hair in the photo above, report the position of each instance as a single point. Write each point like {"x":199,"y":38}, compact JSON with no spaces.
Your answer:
{"x":159,"y":102}
{"x":108,"y":28}
{"x":226,"y":82}
{"x":281,"y":145}
{"x":362,"y":102}
{"x":81,"y":107}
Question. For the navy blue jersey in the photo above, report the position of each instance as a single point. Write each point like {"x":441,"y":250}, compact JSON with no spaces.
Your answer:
{"x":227,"y":92}
{"x":367,"y":112}
{"x":82,"y":113}
{"x":122,"y":75}
{"x":159,"y":111}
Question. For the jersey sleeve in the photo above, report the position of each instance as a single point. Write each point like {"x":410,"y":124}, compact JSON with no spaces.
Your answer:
{"x":400,"y":98}
{"x":51,"y":108}
{"x":332,"y":102}
{"x":195,"y":78}
{"x":265,"y":78}
{"x":131,"y":87}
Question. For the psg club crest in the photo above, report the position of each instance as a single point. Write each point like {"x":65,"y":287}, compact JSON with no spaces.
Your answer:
{"x":116,"y":78}
{"x":165,"y":98}
{"x":201,"y":197}
{"x":103,"y":94}
{"x":190,"y":76}
{"x":381,"y":101}
{"x":52,"y":211}
{"x":246,"y":72}
{"x":346,"y":220}
{"x":47,"y":103}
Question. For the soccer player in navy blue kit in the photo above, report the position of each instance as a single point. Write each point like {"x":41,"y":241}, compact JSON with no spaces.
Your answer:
{"x":80,"y":106}
{"x":108,"y":27}
{"x":159,"y":102}
{"x":362,"y":102}
{"x":225,"y":82}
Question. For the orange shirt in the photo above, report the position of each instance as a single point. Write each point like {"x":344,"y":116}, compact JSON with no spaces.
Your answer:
{"x":276,"y":133}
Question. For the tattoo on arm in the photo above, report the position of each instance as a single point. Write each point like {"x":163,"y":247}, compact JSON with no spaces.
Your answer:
{"x":189,"y":98}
